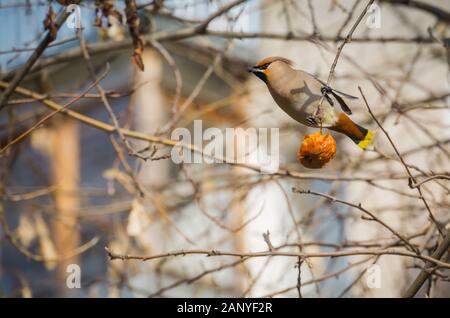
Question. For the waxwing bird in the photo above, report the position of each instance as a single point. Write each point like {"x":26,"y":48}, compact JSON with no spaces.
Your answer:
{"x":299,"y":94}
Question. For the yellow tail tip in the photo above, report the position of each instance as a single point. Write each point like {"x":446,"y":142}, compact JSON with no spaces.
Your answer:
{"x":367,"y":140}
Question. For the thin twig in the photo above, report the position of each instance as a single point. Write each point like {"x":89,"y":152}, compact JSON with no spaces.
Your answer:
{"x":402,"y":161}
{"x":33,"y":58}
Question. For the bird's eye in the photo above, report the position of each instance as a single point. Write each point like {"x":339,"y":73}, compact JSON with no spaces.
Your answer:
{"x":264,"y":66}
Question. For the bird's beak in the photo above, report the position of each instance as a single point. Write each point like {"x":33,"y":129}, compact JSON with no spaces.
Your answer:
{"x":255,"y":70}
{"x":258,"y":72}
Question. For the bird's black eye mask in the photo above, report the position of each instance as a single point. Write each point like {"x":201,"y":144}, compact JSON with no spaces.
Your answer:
{"x":257,"y":70}
{"x":263,"y":67}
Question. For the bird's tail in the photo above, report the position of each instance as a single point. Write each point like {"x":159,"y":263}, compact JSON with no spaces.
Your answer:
{"x":360,"y":135}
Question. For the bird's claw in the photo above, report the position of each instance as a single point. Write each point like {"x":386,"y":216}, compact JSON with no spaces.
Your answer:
{"x":313,"y":120}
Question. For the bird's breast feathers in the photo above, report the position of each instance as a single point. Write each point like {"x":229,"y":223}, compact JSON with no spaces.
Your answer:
{"x":300,"y":102}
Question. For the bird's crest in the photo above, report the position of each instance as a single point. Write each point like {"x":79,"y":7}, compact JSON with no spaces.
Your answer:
{"x":272,"y":59}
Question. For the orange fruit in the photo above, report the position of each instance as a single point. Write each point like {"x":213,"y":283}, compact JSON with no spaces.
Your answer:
{"x":316,"y":150}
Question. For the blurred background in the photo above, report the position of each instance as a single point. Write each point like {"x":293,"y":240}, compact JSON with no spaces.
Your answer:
{"x":70,"y":187}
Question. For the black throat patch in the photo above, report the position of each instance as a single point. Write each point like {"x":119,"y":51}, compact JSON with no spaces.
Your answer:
{"x":261,"y":76}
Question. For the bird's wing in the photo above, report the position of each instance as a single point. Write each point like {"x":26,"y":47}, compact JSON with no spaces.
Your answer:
{"x":341,"y":102}
{"x":314,"y":87}
{"x":325,"y":89}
